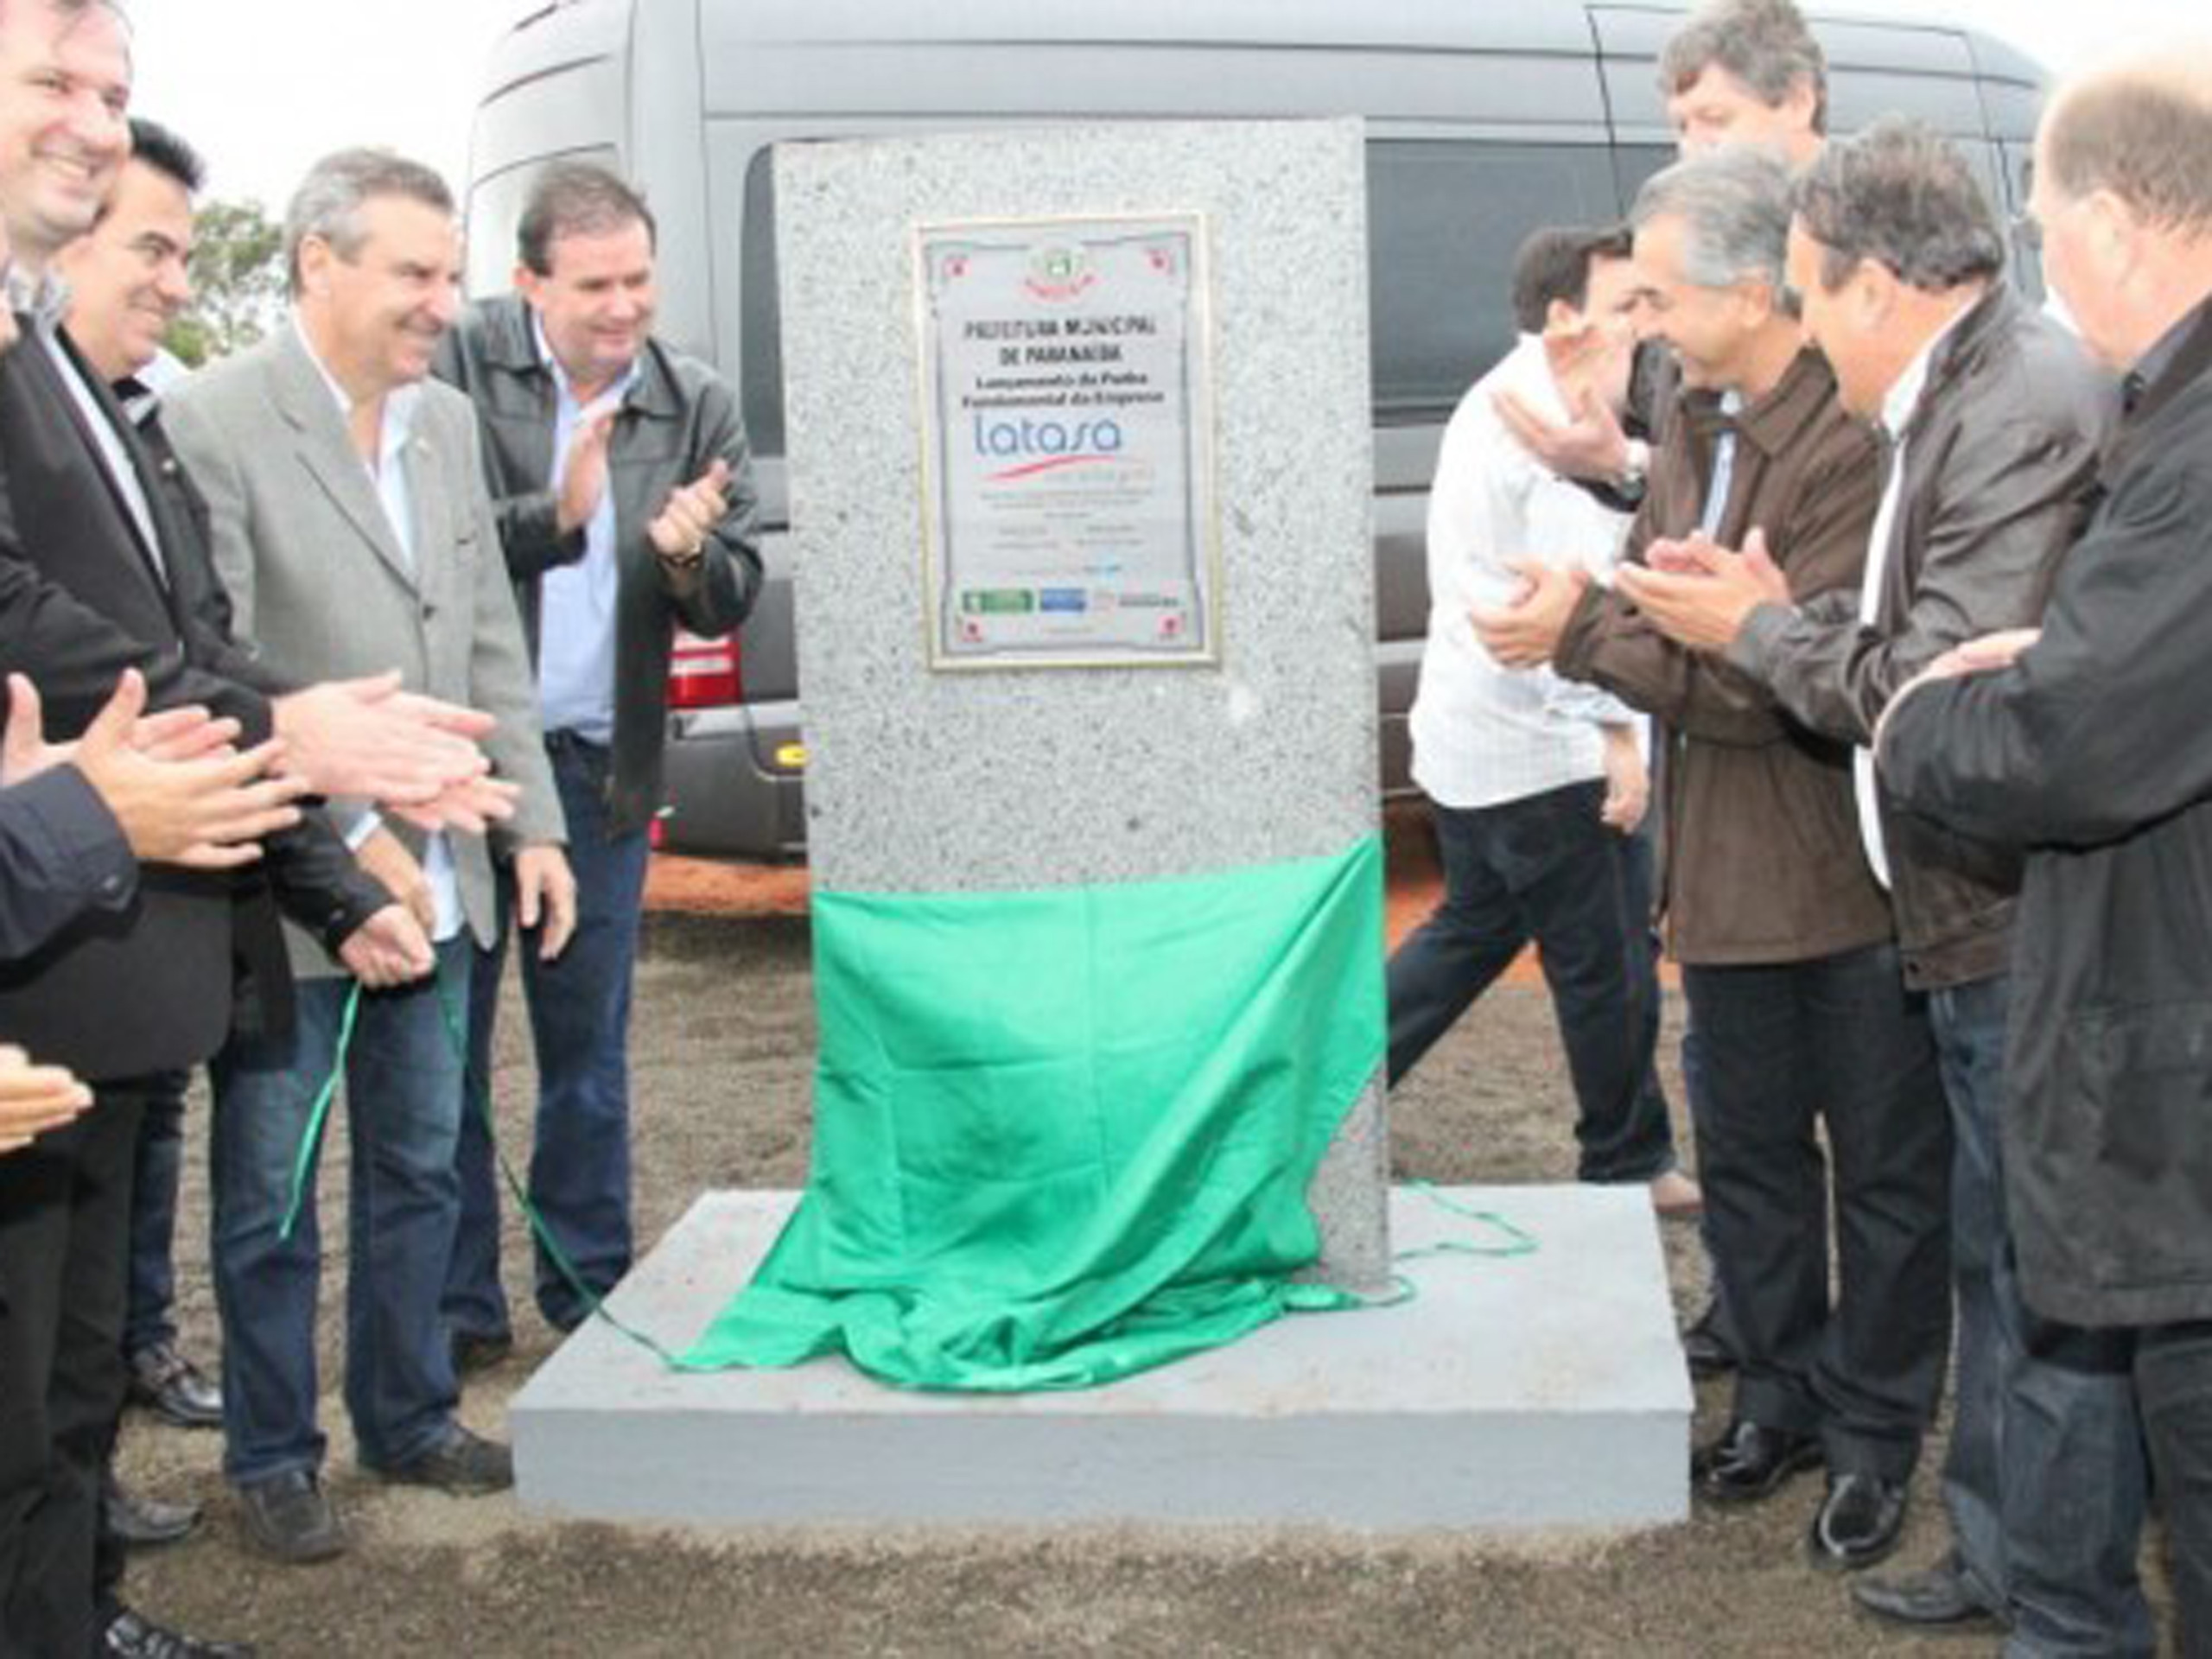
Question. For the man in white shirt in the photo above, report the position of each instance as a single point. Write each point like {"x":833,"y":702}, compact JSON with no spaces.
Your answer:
{"x":1538,"y":785}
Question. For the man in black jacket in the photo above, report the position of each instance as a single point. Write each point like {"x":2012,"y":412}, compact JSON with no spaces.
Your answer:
{"x":128,"y":281}
{"x":2086,"y":745}
{"x":1993,"y":415}
{"x":624,"y":488}
{"x":74,"y":821}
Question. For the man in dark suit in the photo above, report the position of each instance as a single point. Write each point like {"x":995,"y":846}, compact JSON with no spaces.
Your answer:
{"x":128,"y":281}
{"x":88,"y":588}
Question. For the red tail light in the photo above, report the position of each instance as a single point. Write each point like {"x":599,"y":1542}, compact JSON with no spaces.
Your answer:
{"x":705,"y":673}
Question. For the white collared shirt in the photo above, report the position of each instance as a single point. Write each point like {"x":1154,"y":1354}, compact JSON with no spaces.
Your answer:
{"x":388,"y":478}
{"x":113,"y":456}
{"x":1484,"y":734}
{"x":1899,"y":407}
{"x":576,"y":602}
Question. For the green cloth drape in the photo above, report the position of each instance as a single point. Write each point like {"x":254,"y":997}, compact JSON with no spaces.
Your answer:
{"x":1063,"y":1136}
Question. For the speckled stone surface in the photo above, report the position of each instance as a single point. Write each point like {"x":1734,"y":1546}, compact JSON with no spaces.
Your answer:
{"x":1545,"y":1389}
{"x":922,"y":781}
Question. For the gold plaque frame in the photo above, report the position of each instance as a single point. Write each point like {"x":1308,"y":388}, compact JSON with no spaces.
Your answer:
{"x":1199,"y":549}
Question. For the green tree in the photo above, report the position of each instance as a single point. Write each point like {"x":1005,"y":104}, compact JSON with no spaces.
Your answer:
{"x":238,"y":281}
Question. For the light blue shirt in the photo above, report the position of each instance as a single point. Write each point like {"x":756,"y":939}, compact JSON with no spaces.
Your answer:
{"x":576,"y":602}
{"x":388,"y":478}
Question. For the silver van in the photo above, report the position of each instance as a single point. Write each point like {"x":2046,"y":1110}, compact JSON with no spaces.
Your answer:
{"x":1484,"y":122}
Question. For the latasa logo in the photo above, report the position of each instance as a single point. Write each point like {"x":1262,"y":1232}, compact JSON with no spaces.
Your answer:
{"x":1045,"y":446}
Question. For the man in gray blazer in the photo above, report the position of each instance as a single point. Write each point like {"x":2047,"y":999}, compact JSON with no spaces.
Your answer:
{"x":351,"y":527}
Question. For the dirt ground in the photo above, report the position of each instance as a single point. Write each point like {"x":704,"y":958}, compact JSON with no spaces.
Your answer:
{"x":723,"y":1047}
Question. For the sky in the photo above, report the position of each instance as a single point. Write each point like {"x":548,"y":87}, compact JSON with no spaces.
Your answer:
{"x":263,"y":87}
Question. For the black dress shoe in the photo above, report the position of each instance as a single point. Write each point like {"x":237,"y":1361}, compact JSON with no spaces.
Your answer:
{"x":174,"y":1389}
{"x":1704,"y":1345}
{"x":127,"y":1634}
{"x":1935,"y":1597}
{"x":1708,"y":1355}
{"x":1751,"y":1461}
{"x":142,"y":1522}
{"x":1859,"y":1522}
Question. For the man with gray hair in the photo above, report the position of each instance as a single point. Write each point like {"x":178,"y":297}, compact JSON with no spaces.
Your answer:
{"x":1993,"y":415}
{"x":623,"y":485}
{"x":1785,"y":935}
{"x":2085,"y":744}
{"x":348,"y":518}
{"x":1745,"y":72}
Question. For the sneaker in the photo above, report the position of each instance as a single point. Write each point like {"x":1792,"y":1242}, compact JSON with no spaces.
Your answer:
{"x":289,"y":1518}
{"x":479,"y":1351}
{"x":463,"y":1464}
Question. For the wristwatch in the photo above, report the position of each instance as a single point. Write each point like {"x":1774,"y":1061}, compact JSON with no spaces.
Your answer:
{"x":1637,"y":468}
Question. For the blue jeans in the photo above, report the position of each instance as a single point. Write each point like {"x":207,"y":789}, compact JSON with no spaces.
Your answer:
{"x":2173,"y":1391}
{"x":2045,"y":1480}
{"x":1547,"y":868}
{"x":151,"y":1319}
{"x":403,"y":1108}
{"x":580,"y":1025}
{"x":1788,"y":1050}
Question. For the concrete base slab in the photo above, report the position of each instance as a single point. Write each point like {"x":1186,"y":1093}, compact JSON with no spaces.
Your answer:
{"x":1538,"y":1389}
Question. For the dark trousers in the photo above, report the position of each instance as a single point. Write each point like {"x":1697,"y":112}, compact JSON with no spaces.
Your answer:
{"x":149,"y":1316}
{"x":1789,"y":1049}
{"x":64,"y":1229}
{"x":1718,"y":1322}
{"x":2044,"y":1479}
{"x":579,"y":1007}
{"x":1547,"y":868}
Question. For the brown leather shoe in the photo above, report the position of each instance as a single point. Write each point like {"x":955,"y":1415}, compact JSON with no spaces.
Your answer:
{"x":289,"y":1518}
{"x":465,"y":1465}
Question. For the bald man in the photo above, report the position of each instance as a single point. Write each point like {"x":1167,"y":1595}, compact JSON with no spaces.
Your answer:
{"x":2085,"y":743}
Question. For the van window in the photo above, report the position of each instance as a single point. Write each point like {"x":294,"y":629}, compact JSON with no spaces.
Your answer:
{"x":1444,"y":221}
{"x":760,"y":330}
{"x":1445,"y":218}
{"x":495,"y":207}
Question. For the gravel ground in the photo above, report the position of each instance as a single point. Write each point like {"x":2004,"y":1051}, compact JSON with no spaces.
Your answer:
{"x":725,"y":1035}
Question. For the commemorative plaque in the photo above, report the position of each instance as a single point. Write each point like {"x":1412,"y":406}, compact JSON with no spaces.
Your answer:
{"x":1067,"y":439}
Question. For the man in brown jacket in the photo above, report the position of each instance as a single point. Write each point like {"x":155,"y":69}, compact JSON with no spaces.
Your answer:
{"x":1784,"y":935}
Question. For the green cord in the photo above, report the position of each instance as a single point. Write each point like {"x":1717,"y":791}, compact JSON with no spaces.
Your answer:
{"x":480,"y":1100}
{"x":303,"y":1161}
{"x":1518,"y":1241}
